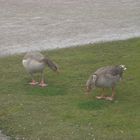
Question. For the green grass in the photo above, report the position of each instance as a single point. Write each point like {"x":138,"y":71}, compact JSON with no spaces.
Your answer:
{"x":62,"y":111}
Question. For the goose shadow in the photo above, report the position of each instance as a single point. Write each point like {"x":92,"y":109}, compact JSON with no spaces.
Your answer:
{"x":94,"y":104}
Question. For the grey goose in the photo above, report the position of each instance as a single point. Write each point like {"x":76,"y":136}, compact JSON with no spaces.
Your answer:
{"x":105,"y":77}
{"x":35,"y":62}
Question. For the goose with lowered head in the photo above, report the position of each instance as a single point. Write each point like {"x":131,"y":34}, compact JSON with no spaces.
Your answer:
{"x":105,"y":77}
{"x":35,"y":62}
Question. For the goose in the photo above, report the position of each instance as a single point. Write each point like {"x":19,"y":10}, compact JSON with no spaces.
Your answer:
{"x":105,"y":77}
{"x":35,"y":62}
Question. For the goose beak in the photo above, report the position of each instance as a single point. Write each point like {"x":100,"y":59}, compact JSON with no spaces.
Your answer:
{"x":87,"y":90}
{"x":57,"y":71}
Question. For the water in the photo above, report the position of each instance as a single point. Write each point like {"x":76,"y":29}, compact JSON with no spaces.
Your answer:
{"x":47,"y":24}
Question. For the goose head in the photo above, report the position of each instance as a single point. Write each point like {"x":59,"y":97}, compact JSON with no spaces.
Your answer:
{"x":51,"y":64}
{"x":90,"y":84}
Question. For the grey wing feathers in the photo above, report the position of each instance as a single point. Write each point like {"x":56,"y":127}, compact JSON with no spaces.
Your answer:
{"x":34,"y":55}
{"x":109,"y":70}
{"x":102,"y":70}
{"x":37,"y":56}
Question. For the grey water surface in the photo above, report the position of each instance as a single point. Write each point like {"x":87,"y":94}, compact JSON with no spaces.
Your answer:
{"x":47,"y":24}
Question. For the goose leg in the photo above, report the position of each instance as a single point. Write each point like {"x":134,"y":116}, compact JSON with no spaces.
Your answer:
{"x":102,"y":95}
{"x":42,"y":83}
{"x":33,"y":82}
{"x":111,"y":98}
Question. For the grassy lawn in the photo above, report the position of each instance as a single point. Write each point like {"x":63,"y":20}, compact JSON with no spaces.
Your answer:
{"x":62,"y":111}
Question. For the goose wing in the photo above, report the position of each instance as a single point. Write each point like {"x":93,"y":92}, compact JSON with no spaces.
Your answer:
{"x":37,"y":56}
{"x":109,"y":72}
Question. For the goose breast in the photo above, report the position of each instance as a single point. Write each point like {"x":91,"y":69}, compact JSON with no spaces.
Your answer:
{"x":32,"y":66}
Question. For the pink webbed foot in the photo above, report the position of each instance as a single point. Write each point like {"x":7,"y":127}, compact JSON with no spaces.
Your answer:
{"x":33,"y":83}
{"x":43,"y":84}
{"x":100,"y":97}
{"x":109,"y":98}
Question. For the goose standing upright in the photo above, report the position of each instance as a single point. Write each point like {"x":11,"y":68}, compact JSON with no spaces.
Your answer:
{"x":106,"y":77}
{"x":35,"y":62}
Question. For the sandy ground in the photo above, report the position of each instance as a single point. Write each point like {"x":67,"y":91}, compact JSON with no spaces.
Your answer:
{"x":47,"y":24}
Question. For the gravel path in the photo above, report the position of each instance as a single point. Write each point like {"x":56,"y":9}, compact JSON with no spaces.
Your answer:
{"x":47,"y":24}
